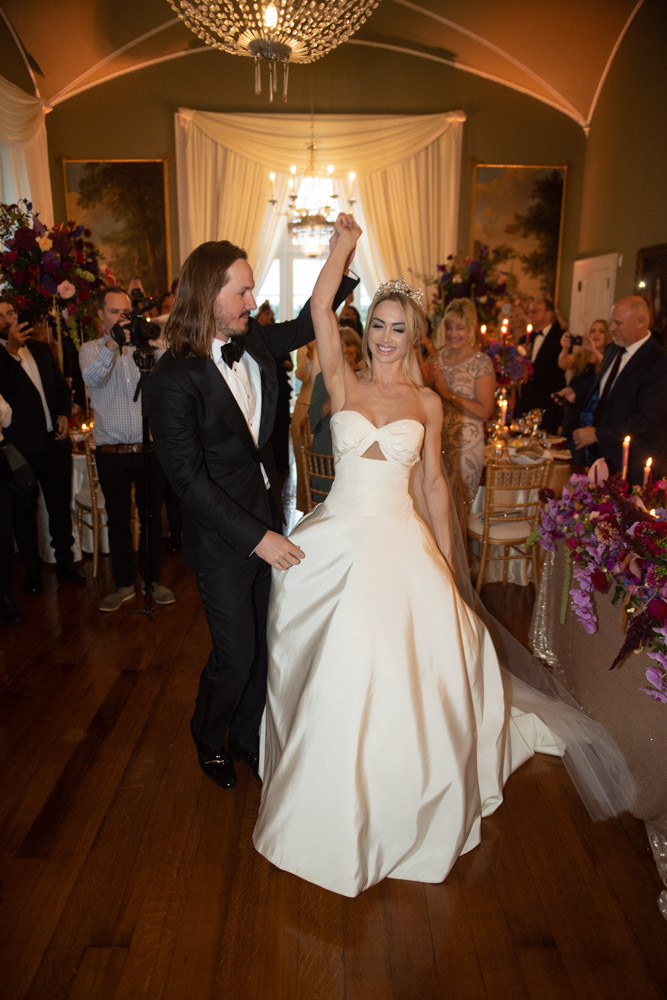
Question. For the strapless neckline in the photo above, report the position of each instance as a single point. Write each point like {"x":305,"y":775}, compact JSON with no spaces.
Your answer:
{"x":380,"y":427}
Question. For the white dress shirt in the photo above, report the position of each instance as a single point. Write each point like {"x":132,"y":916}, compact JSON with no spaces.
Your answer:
{"x":244,"y":379}
{"x":5,"y":414}
{"x":538,"y":339}
{"x":29,"y":365}
{"x":629,"y":351}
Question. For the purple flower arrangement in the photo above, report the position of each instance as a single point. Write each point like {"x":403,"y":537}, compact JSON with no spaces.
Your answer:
{"x":45,"y":269}
{"x":616,"y":536}
{"x":510,"y":363}
{"x":477,"y":277}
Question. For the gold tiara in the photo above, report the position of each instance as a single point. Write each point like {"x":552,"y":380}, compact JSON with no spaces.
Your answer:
{"x":400,"y":285}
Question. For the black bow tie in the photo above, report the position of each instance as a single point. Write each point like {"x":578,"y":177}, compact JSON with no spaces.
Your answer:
{"x":232,"y":351}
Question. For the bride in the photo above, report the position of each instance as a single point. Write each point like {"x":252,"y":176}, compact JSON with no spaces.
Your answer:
{"x":387,"y":736}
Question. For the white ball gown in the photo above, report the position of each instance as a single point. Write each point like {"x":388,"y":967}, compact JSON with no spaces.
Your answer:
{"x":386,"y":735}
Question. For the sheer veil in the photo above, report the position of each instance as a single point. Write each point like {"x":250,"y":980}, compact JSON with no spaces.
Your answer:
{"x":594,"y":762}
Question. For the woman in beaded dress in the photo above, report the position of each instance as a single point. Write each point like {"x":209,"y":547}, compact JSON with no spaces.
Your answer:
{"x":464,"y":379}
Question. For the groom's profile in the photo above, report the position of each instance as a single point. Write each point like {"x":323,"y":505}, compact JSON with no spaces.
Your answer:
{"x":212,"y":403}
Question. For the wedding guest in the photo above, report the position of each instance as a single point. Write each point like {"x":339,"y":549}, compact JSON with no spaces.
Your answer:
{"x":112,"y":376}
{"x":585,"y":360}
{"x":350,"y":316}
{"x":33,"y":385}
{"x":8,"y":610}
{"x":464,"y":379}
{"x":281,"y":428}
{"x":626,"y":397}
{"x":319,"y":411}
{"x":307,"y":367}
{"x":544,"y":347}
{"x":582,"y":363}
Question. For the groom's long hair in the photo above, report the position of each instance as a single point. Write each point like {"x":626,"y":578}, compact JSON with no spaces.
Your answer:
{"x":190,"y":329}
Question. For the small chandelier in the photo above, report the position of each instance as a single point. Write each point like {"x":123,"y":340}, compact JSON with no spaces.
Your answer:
{"x":312,"y":205}
{"x":300,"y":32}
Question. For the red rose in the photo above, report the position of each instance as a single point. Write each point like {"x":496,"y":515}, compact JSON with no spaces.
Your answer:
{"x":600,"y":581}
{"x":658,"y":608}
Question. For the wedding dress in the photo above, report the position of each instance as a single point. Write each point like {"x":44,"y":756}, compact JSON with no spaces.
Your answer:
{"x":387,"y":736}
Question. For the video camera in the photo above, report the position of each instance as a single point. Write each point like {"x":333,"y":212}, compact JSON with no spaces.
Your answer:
{"x":142,"y":331}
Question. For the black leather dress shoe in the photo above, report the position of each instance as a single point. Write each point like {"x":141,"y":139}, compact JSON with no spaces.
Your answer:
{"x":216,"y":764}
{"x":68,"y":571}
{"x":8,"y":611}
{"x":249,"y":757}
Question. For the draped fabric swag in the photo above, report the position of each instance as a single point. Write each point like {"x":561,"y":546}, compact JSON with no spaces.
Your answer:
{"x":407,"y":187}
{"x":24,"y":159}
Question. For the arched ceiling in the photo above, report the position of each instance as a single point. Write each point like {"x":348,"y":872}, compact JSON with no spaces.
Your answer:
{"x":558,"y":52}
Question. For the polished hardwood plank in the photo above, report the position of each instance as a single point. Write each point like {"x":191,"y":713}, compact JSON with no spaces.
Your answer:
{"x":126,"y":874}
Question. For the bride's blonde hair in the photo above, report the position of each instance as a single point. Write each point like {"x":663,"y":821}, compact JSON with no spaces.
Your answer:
{"x":415,"y":327}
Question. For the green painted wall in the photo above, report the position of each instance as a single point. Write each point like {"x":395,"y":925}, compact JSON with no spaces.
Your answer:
{"x":624,"y":202}
{"x":133,"y":116}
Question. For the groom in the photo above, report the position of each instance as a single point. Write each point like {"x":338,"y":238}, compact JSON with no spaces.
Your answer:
{"x":212,"y":405}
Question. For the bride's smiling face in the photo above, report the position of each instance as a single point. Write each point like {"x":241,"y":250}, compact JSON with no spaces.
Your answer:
{"x":388,"y":336}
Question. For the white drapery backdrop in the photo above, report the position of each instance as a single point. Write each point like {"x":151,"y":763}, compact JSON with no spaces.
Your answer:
{"x":24,"y":159}
{"x":407,"y":183}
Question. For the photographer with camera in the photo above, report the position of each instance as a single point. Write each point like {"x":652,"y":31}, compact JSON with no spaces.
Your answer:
{"x":34,"y":387}
{"x":112,"y":377}
{"x":583,"y":355}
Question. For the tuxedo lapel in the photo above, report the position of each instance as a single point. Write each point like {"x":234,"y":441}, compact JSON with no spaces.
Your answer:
{"x":267,"y":367}
{"x":218,"y":396}
{"x":625,"y":377}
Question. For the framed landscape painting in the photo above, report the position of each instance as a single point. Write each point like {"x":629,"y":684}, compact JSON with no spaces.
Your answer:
{"x":521,"y":207}
{"x":651,"y":282}
{"x":124,"y":204}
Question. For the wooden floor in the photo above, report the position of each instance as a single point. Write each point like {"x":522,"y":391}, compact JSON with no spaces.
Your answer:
{"x":127,"y":874}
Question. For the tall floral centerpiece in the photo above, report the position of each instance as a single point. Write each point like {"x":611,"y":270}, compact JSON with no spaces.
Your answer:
{"x":616,"y":537}
{"x":51,"y":272}
{"x":477,"y":277}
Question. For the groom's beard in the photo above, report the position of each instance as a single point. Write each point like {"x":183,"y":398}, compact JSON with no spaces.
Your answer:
{"x":227,"y":326}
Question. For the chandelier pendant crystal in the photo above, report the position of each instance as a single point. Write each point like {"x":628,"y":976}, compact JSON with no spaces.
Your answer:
{"x":300,"y":32}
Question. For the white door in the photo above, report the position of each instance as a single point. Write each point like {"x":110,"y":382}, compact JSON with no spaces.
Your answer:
{"x":593,"y":285}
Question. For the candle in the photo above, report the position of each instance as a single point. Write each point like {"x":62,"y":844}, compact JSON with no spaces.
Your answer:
{"x":626,"y":455}
{"x":272,"y":178}
{"x":350,"y":185}
{"x":647,"y":471}
{"x":503,"y":411}
{"x":483,"y":331}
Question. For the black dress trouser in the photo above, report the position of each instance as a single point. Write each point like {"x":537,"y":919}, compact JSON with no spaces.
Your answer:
{"x":232,"y":685}
{"x":118,"y":472}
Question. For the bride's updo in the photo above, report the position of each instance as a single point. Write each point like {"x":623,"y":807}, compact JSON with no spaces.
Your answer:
{"x":411,"y":301}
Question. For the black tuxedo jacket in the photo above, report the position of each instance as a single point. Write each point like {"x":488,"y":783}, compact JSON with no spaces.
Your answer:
{"x":27,"y":430}
{"x":207,"y":451}
{"x":636,"y":405}
{"x":547,"y":377}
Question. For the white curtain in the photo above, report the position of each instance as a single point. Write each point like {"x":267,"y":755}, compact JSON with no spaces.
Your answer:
{"x":24,"y":160}
{"x":407,"y":186}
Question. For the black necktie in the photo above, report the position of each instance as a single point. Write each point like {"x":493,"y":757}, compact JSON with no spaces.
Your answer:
{"x":232,"y":351}
{"x":607,"y":386}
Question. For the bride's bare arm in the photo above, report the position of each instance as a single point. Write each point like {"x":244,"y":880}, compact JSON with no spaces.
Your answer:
{"x":329,"y":350}
{"x":435,"y":489}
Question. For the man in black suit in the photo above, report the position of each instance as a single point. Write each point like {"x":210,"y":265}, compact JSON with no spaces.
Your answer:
{"x":543,"y":346}
{"x":212,"y":404}
{"x":35,"y":389}
{"x":628,"y":395}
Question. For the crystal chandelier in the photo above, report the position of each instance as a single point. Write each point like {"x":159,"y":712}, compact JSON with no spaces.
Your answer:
{"x":299,"y":32}
{"x":312,"y":203}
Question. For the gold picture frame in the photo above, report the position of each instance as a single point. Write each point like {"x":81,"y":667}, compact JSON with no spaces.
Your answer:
{"x":522,"y":206}
{"x":125,"y":205}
